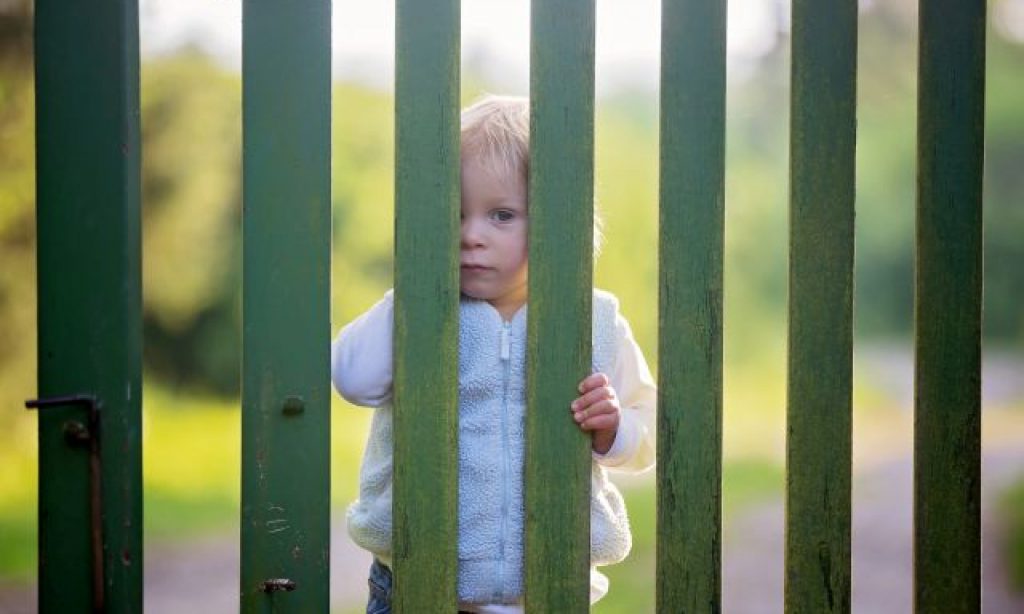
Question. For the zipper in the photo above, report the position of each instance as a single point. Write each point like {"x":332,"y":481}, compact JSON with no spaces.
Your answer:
{"x":506,"y":494}
{"x":505,"y":342}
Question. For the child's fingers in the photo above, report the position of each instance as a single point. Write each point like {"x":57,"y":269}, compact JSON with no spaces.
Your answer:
{"x":596,"y":395}
{"x":596,"y":411}
{"x":600,"y":422}
{"x":594,"y":380}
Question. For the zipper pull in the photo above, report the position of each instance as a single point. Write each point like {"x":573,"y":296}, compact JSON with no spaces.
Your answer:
{"x":505,"y":342}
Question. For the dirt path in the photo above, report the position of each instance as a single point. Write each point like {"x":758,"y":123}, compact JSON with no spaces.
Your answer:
{"x":201,"y":577}
{"x":210,"y":569}
{"x":881,"y":548}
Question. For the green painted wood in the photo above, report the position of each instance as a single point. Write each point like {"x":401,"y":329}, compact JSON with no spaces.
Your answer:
{"x":947,"y":425}
{"x":425,"y":503}
{"x":691,"y":224}
{"x":558,"y":454}
{"x":285,"y":516}
{"x":822,"y":169}
{"x":89,"y":296}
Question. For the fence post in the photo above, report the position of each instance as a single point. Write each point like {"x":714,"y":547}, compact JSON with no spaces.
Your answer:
{"x":558,"y":455}
{"x":425,"y":504}
{"x":822,"y":171}
{"x":691,"y":227}
{"x":286,"y":227}
{"x":90,"y":303}
{"x":947,"y":398}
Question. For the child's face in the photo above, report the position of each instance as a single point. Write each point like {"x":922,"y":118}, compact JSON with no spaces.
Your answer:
{"x":493,"y":252}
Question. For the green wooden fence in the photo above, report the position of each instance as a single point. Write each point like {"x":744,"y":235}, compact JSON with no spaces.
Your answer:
{"x":691,"y":224}
{"x":947,"y":313}
{"x":425,"y":488}
{"x":90,"y":305}
{"x":557,"y":519}
{"x":286,"y":226}
{"x":819,"y":393}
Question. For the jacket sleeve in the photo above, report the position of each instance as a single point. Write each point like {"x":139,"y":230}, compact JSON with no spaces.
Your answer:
{"x":633,"y":450}
{"x":361,"y":356}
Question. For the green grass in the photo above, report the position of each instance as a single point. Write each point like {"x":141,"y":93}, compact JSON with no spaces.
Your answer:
{"x":1011,"y":507}
{"x":18,"y":506}
{"x":18,"y":539}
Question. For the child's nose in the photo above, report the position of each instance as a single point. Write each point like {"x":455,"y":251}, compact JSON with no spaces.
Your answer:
{"x":471,"y":234}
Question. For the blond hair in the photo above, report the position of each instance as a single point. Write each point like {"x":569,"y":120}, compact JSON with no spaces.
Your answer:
{"x":496,"y":130}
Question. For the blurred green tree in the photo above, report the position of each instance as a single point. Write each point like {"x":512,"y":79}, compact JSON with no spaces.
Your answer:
{"x":191,"y":124}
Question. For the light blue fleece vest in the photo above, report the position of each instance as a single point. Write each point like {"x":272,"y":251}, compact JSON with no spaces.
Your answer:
{"x":492,"y":408}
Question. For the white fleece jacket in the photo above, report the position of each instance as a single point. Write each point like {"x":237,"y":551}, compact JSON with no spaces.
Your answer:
{"x":491,"y":441}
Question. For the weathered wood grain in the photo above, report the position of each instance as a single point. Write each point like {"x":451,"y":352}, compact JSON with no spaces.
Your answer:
{"x":558,"y":454}
{"x":947,"y":399}
{"x":691,"y":223}
{"x":822,"y":170}
{"x":425,"y":534}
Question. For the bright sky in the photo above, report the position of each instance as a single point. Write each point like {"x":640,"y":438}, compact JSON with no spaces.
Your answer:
{"x":495,"y":35}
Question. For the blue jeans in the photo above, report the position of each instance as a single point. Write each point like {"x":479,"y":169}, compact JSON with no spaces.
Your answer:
{"x":381,"y":585}
{"x":380,"y":582}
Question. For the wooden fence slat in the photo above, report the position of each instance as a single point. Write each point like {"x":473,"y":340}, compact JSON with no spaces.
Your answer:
{"x":947,"y":400}
{"x":558,"y":454}
{"x":285,"y":517}
{"x":822,"y":170}
{"x":90,"y":298}
{"x":691,"y":223}
{"x":426,"y":305}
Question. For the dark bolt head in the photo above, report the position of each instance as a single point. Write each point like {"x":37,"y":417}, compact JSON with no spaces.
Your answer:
{"x":75,"y":433}
{"x":293,"y":406}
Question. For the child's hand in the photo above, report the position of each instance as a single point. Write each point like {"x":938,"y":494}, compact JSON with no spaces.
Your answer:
{"x":597,"y":410}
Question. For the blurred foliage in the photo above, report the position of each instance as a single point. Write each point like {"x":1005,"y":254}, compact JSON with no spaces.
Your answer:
{"x":17,"y":224}
{"x":191,"y":130}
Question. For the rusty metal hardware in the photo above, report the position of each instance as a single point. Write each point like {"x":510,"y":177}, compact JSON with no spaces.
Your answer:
{"x":76,"y":433}
{"x":277,"y":584}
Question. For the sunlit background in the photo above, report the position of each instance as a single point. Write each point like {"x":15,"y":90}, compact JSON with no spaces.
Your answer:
{"x":191,"y":132}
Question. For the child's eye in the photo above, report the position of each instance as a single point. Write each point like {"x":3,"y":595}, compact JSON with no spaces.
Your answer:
{"x":503,"y":215}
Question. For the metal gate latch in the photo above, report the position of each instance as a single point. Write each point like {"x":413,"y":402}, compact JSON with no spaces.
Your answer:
{"x":76,"y":433}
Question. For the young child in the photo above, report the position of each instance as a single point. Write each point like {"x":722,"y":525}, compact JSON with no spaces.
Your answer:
{"x":616,"y":403}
